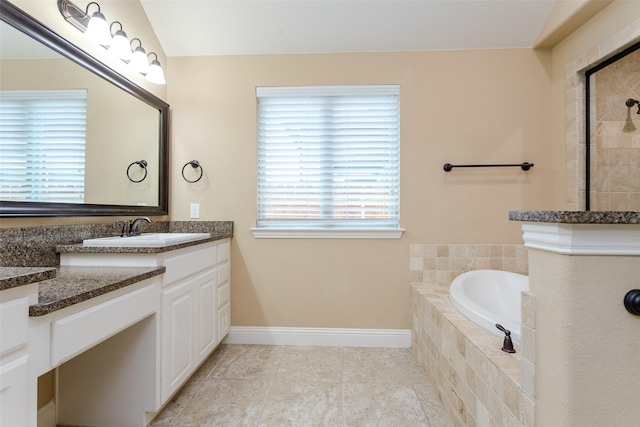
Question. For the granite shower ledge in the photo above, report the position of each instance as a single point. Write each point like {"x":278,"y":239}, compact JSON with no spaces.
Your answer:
{"x":79,"y":248}
{"x":12,"y":277}
{"x":577,"y":217}
{"x":73,"y":285}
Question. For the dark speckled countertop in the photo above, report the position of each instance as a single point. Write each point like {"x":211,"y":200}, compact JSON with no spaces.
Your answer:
{"x":11,"y":277}
{"x":79,"y":248}
{"x":31,"y":254}
{"x":76,"y":284}
{"x":577,"y":217}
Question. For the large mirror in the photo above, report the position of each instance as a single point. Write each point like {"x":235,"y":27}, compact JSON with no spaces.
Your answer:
{"x":115,"y":154}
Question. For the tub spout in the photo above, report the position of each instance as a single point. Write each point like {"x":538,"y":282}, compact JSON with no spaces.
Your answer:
{"x":507,"y":345}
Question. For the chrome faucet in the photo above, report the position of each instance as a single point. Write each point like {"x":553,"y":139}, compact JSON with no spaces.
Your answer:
{"x":134,"y":229}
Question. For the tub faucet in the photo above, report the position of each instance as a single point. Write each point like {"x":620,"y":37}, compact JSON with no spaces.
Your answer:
{"x":134,"y":230}
{"x":507,"y":345}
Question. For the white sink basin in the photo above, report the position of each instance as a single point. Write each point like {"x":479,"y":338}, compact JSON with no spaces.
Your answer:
{"x":146,"y":240}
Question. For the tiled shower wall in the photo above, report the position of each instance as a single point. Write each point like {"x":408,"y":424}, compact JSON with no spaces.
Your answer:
{"x":575,"y":111}
{"x":615,"y":147}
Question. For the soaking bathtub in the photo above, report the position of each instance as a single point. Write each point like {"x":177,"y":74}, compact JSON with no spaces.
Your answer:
{"x":487,"y":297}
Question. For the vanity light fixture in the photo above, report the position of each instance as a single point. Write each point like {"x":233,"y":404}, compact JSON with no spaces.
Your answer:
{"x":139,"y":61}
{"x":118,"y":44}
{"x":120,"y":47}
{"x":97,"y":28}
{"x":155,"y":73}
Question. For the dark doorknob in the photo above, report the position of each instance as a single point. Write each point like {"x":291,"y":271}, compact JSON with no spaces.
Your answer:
{"x":632,"y":301}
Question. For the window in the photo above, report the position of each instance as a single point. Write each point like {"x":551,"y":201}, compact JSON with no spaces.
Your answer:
{"x":328,"y":160}
{"x":39,"y":128}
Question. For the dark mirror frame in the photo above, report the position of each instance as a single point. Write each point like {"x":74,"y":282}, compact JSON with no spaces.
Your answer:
{"x":22,"y":21}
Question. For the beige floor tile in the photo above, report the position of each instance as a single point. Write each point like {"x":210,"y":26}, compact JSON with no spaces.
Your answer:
{"x":431,"y":405}
{"x":303,"y":404}
{"x":311,"y":364}
{"x":253,"y":385}
{"x":381,"y":366}
{"x":382,"y":405}
{"x":248,"y":362}
{"x":223,"y":402}
{"x":168,"y":415}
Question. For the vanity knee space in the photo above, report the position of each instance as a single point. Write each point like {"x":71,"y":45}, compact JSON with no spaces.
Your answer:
{"x":191,"y":316}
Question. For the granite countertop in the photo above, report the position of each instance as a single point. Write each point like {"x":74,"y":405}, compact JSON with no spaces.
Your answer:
{"x":79,"y":248}
{"x":11,"y":277}
{"x":72,"y":285}
{"x":577,"y":217}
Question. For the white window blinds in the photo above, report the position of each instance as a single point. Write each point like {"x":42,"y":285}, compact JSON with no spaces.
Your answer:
{"x":328,"y":157}
{"x":42,"y":145}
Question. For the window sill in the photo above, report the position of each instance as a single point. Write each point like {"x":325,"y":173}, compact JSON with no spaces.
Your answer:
{"x":324,"y":233}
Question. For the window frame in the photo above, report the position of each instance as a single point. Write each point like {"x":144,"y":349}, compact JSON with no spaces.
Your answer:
{"x":312,"y":229}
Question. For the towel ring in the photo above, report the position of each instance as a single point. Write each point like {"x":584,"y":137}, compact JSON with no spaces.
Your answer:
{"x":143,"y":165}
{"x":194,"y":164}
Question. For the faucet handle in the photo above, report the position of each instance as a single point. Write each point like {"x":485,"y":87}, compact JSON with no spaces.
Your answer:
{"x":124,"y":228}
{"x":507,"y":345}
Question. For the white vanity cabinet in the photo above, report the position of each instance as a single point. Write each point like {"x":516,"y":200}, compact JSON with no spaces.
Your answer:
{"x":16,"y":392}
{"x":195,"y":305}
{"x":188,"y":331}
{"x":190,"y":311}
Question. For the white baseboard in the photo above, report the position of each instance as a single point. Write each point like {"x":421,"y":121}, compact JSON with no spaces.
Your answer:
{"x":47,"y":415}
{"x":399,"y":338}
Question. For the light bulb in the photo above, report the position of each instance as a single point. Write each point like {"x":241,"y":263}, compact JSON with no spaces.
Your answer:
{"x":120,"y":47}
{"x":98,"y":30}
{"x":155,"y":74}
{"x":139,"y":61}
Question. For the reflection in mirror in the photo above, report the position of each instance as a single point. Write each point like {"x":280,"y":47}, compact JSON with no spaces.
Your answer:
{"x":77,"y":166}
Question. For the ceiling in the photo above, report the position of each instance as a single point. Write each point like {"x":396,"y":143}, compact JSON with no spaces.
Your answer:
{"x":254,"y":27}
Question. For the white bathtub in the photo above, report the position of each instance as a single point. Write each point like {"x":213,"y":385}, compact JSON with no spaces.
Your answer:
{"x":487,"y":297}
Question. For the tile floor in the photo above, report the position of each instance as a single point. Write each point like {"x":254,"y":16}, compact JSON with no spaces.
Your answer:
{"x":254,"y":385}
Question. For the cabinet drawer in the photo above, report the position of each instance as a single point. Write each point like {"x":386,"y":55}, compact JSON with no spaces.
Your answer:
{"x":224,"y":251}
{"x":224,"y":294}
{"x":78,"y":332}
{"x":223,"y":273}
{"x":224,"y":321}
{"x":14,"y":324}
{"x":191,"y":262}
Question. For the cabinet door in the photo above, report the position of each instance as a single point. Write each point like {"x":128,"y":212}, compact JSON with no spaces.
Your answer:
{"x":14,"y":382}
{"x":178,"y":314}
{"x":206,"y":313}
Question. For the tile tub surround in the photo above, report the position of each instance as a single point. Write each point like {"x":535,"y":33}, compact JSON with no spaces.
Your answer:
{"x":477,"y":382}
{"x":262,"y":385}
{"x":36,"y":246}
{"x":441,"y":263}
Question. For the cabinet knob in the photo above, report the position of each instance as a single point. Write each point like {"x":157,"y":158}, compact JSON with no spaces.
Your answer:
{"x":632,"y":301}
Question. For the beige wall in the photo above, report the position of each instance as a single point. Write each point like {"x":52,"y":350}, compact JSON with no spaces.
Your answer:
{"x":586,"y":342}
{"x":459,"y":107}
